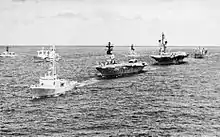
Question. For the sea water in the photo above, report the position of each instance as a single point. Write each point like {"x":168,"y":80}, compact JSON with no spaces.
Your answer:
{"x":174,"y":100}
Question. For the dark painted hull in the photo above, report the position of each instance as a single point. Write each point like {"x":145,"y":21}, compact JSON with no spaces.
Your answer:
{"x":199,"y":56}
{"x":119,"y":71}
{"x":169,"y":59}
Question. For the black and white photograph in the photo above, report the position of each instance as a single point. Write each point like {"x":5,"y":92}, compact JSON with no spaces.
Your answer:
{"x":109,"y":68}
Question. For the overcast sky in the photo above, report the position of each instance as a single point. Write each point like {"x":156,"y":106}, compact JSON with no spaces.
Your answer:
{"x":123,"y":22}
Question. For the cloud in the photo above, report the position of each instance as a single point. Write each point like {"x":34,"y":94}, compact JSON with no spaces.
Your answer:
{"x":71,"y":15}
{"x":121,"y":21}
{"x":18,"y":0}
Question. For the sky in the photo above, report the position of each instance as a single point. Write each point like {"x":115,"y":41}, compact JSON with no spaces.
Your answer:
{"x":123,"y":22}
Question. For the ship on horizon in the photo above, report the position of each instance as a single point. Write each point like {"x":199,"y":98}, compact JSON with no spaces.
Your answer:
{"x":50,"y":84}
{"x":132,"y":52}
{"x":7,"y":53}
{"x":199,"y":52}
{"x":110,"y":68}
{"x":47,"y":55}
{"x":166,"y":58}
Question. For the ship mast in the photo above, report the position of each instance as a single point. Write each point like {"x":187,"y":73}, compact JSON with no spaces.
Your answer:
{"x":132,"y":47}
{"x":163,"y":43}
{"x":109,"y":48}
{"x":54,"y":65}
{"x":7,"y":48}
{"x":163,"y":37}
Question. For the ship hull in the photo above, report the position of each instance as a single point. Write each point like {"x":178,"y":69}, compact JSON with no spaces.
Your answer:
{"x":39,"y":92}
{"x":199,"y":56}
{"x":7,"y":56}
{"x":42,"y":92}
{"x":40,"y":59}
{"x":136,"y":55}
{"x":169,"y":59}
{"x":119,"y":71}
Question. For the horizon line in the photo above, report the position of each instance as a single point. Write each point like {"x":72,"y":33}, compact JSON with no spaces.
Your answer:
{"x":76,"y":45}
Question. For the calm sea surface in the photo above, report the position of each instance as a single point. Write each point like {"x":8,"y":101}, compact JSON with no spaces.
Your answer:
{"x":175,"y":100}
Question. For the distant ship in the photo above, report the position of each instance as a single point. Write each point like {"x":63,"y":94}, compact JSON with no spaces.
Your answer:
{"x":46,"y":55}
{"x":132,"y":52}
{"x":50,"y":85}
{"x":165,"y":58}
{"x":7,"y":53}
{"x":199,"y":52}
{"x":111,"y":68}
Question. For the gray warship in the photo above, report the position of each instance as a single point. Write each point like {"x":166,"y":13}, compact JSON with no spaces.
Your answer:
{"x":110,"y":68}
{"x":46,"y":55}
{"x":7,"y":53}
{"x":166,"y":58}
{"x":199,"y":52}
{"x":132,"y":52}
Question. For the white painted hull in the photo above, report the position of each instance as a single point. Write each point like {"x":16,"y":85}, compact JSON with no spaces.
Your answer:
{"x":8,"y":56}
{"x":135,"y":55}
{"x":42,"y":92}
{"x":39,"y":92}
{"x":41,"y":59}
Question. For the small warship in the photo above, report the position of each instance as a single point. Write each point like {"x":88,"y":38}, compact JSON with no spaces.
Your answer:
{"x":46,"y":55}
{"x":50,"y":85}
{"x":132,"y":52}
{"x":7,"y":53}
{"x":111,"y":68}
{"x":165,"y":58}
{"x":199,"y":52}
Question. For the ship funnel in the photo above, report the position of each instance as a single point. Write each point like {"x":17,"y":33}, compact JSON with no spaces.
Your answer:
{"x":163,"y":36}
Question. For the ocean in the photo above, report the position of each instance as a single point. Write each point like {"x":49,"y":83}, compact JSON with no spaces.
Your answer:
{"x":172,"y":100}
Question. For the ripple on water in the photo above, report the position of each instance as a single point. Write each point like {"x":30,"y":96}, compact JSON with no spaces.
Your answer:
{"x":177,"y":100}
